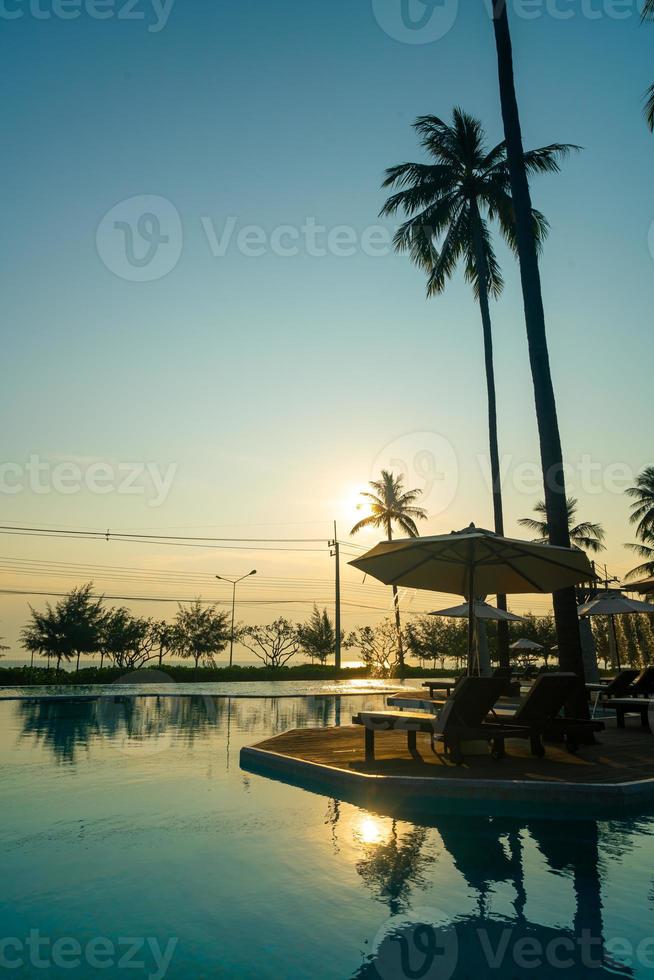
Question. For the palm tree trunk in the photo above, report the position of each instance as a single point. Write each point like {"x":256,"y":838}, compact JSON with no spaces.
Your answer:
{"x":565,"y":609}
{"x":496,"y":476}
{"x":396,"y":607}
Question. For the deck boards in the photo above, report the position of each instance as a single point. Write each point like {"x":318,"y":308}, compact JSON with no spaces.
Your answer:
{"x":621,"y":756}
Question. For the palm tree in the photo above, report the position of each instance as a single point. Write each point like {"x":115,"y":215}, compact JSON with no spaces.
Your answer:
{"x":642,"y":514}
{"x":450,"y":203}
{"x":648,"y":14}
{"x":642,"y":509}
{"x":391,"y":504}
{"x":564,"y":600}
{"x":585,"y":535}
{"x":644,"y":549}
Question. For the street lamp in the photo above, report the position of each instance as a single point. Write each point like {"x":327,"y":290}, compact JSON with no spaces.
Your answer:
{"x":234,"y":582}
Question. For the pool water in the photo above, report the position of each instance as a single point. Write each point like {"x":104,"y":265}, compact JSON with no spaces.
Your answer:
{"x":133,"y":845}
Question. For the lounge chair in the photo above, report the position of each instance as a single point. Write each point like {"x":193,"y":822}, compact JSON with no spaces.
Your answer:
{"x":618,"y":686}
{"x":462,"y":718}
{"x":538,"y":715}
{"x":632,"y":706}
{"x":643,"y":686}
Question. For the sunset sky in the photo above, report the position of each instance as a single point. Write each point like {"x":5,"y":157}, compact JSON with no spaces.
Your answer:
{"x":269,"y":388}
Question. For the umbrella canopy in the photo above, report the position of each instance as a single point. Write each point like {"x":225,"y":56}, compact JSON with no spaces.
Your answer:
{"x":482,"y":610}
{"x":472,"y":562}
{"x":525,"y":644}
{"x":645,"y":586}
{"x":475,"y":561}
{"x":612,"y":602}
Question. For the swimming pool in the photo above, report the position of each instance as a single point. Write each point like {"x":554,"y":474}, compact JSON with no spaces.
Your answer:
{"x":134,"y":846}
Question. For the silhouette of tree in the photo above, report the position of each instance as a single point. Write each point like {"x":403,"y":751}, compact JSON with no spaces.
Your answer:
{"x":451,"y":202}
{"x":564,"y":600}
{"x":274,"y":643}
{"x":648,"y":14}
{"x":201,"y":632}
{"x":70,"y":628}
{"x":318,"y":636}
{"x":585,"y":535}
{"x":129,"y":641}
{"x":642,"y":515}
{"x":391,"y":504}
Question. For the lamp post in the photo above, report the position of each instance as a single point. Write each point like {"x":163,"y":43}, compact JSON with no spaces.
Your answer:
{"x":234,"y":582}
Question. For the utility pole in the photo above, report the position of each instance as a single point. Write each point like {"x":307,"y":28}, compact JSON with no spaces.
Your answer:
{"x":335,"y":553}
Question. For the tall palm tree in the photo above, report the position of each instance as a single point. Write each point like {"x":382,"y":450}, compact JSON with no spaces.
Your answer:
{"x":642,"y":515}
{"x":584,"y":535}
{"x":648,"y":14}
{"x":450,"y":203}
{"x":564,"y":600}
{"x":391,"y":504}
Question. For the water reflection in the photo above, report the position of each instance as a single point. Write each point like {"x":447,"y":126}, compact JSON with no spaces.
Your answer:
{"x":477,"y":888}
{"x":392,"y":866}
{"x":68,"y":726}
{"x":487,"y":852}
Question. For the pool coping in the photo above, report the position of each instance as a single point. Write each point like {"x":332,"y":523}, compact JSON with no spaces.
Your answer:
{"x":542,"y":792}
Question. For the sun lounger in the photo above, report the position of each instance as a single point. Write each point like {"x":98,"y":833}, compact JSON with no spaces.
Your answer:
{"x":462,"y":718}
{"x":616,"y":687}
{"x":643,"y":686}
{"x":632,"y":706}
{"x":539,"y":714}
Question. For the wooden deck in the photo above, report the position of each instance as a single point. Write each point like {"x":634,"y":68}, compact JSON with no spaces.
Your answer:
{"x":618,"y":769}
{"x":620,"y":756}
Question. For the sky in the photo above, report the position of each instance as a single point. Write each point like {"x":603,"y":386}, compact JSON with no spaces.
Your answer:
{"x":206,"y":332}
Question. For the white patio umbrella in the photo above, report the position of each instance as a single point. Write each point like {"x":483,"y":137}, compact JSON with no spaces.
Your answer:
{"x":525,"y":644}
{"x":645,"y":586}
{"x":612,"y":603}
{"x":474,"y":562}
{"x":482,"y":610}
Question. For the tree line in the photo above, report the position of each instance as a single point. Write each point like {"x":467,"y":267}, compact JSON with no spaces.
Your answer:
{"x":81,"y":625}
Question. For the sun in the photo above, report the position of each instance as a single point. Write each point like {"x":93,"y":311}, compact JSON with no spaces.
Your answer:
{"x":351,"y":507}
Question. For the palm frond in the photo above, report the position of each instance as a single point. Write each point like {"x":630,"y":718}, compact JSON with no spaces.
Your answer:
{"x":547,"y":159}
{"x":648,"y":108}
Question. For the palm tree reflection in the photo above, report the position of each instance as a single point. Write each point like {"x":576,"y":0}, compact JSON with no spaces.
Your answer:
{"x":392,"y":865}
{"x":487,"y":852}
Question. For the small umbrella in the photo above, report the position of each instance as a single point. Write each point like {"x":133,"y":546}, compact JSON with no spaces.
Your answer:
{"x":475,"y":562}
{"x":645,"y":586}
{"x":525,"y":644}
{"x":482,"y":610}
{"x":612,"y":603}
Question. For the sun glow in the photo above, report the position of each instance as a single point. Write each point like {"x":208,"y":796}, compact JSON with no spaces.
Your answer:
{"x":351,"y":508}
{"x":369,"y":831}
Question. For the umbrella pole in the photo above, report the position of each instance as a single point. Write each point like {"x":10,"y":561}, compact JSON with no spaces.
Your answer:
{"x":471,"y":619}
